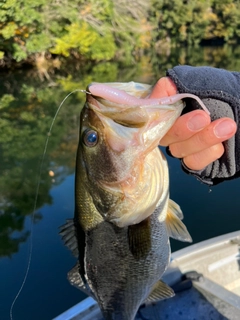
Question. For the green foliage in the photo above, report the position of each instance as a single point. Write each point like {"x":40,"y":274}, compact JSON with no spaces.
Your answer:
{"x":5,"y":100}
{"x":190,"y":22}
{"x":102,"y":72}
{"x":87,"y":41}
{"x":94,"y":29}
{"x":103,"y":48}
{"x":100,"y":30}
{"x":180,"y":21}
{"x":38,"y":43}
{"x":19,"y":52}
{"x":77,"y":37}
{"x":9,"y":30}
{"x":23,"y":28}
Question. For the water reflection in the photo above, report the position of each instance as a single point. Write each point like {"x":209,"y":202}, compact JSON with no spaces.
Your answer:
{"x":27,"y":107}
{"x":25,"y":117}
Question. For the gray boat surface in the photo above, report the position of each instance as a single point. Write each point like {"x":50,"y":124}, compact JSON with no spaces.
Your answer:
{"x":205,"y":277}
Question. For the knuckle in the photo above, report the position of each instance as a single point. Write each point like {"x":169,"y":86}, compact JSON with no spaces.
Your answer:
{"x":216,"y":151}
{"x":202,"y":140}
{"x":206,"y":138}
{"x":199,"y":160}
{"x":176,"y":150}
{"x":193,"y":162}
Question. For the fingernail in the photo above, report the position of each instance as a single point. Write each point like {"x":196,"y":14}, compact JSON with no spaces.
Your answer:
{"x":197,"y":122}
{"x":224,"y":128}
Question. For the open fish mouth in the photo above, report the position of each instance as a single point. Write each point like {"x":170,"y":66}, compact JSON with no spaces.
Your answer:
{"x":125,"y":111}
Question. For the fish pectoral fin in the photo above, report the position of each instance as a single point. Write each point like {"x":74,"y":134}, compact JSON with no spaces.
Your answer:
{"x":139,"y":239}
{"x":160,"y":291}
{"x":67,"y":231}
{"x":174,"y":207}
{"x":76,"y":280}
{"x":175,"y":227}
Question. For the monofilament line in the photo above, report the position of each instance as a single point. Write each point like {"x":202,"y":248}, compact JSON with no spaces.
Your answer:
{"x":35,"y":202}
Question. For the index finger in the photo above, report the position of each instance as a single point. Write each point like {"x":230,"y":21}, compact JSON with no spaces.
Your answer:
{"x":186,"y":126}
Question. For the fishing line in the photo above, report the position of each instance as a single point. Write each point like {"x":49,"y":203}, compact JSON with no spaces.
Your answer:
{"x":30,"y":248}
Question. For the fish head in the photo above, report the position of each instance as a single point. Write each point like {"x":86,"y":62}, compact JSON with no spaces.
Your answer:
{"x":123,"y":167}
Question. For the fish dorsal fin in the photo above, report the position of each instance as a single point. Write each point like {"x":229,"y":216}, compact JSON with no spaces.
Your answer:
{"x":139,"y":239}
{"x":176,"y":229}
{"x":160,"y":291}
{"x":75,"y":279}
{"x":68,"y":233}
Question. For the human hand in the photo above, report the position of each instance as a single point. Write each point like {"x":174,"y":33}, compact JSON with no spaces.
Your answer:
{"x":193,"y":137}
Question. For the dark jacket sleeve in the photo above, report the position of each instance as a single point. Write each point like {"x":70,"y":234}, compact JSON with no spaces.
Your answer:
{"x":220,"y":92}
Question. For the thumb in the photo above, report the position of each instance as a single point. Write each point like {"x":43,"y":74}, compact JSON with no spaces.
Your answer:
{"x":163,"y":88}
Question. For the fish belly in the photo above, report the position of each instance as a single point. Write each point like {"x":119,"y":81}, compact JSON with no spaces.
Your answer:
{"x":121,"y":279}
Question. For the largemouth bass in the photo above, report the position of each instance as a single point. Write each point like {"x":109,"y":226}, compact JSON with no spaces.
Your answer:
{"x":123,"y":215}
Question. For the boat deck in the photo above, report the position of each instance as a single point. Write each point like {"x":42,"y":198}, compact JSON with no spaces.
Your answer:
{"x":187,"y":305}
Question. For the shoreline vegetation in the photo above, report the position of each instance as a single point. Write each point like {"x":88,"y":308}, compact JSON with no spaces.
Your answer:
{"x":47,"y":35}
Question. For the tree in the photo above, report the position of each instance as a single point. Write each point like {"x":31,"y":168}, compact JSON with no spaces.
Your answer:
{"x":94,"y":29}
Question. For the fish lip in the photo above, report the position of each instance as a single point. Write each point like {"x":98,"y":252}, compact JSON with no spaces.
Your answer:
{"x":88,"y":88}
{"x":92,"y":103}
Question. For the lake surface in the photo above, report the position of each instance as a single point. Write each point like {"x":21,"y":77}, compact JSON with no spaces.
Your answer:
{"x":27,"y":107}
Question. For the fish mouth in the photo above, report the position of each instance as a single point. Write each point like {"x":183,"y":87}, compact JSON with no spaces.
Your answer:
{"x":126,"y":116}
{"x":121,"y":100}
{"x":135,"y":129}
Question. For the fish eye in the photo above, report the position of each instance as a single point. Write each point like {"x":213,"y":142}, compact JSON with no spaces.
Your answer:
{"x":90,"y":138}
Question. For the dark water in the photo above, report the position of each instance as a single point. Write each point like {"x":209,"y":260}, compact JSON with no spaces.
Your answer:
{"x":26,"y":109}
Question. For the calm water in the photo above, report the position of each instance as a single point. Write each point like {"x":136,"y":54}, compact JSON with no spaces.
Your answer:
{"x":26,"y":109}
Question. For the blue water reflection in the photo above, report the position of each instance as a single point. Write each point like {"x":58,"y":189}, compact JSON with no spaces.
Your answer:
{"x":47,"y":291}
